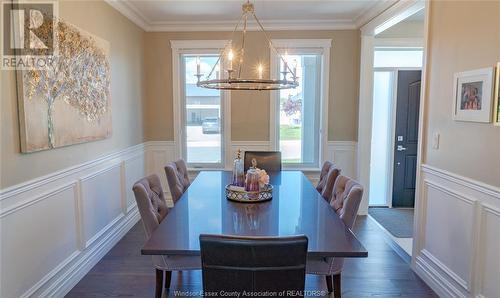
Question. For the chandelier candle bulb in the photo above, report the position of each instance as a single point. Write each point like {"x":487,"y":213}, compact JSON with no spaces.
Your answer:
{"x":230,"y":57}
{"x":260,"y":71}
{"x":198,"y":65}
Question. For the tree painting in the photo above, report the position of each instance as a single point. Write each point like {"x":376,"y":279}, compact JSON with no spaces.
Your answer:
{"x":78,"y":75}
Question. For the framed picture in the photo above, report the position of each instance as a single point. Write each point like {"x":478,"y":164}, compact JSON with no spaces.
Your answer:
{"x":496,"y":97}
{"x":473,"y":95}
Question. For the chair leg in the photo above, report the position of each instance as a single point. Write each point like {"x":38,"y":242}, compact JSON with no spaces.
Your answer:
{"x":329,"y":283}
{"x":168,"y":277}
{"x":336,"y":286}
{"x":159,"y":283}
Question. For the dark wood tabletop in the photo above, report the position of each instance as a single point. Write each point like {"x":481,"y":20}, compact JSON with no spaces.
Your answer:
{"x":296,"y":208}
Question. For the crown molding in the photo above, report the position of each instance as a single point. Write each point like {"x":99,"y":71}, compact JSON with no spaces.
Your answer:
{"x":130,"y":11}
{"x":373,"y":11}
{"x":270,"y":25}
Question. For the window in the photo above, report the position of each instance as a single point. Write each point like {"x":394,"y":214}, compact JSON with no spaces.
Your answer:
{"x":298,"y":119}
{"x":199,"y":113}
{"x":202,"y":121}
{"x":398,"y":57}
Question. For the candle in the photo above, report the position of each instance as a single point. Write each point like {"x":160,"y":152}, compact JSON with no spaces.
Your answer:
{"x":198,"y":65}
{"x":230,"y":57}
{"x":295,"y":68}
{"x":260,"y":71}
{"x":285,"y":66}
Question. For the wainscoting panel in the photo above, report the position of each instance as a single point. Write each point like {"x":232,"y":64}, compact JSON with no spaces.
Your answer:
{"x":55,"y":228}
{"x":47,"y":224}
{"x":489,"y":260}
{"x":343,"y":154}
{"x":159,"y":153}
{"x":101,"y":202}
{"x":457,"y":232}
{"x":133,"y":170}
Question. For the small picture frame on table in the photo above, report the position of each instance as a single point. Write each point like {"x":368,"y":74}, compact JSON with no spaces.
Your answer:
{"x":496,"y":97}
{"x":472,"y":94}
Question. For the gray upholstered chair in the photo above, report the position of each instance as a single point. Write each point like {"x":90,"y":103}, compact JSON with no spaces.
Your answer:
{"x":322,"y":175}
{"x":266,"y":160}
{"x":178,"y":179}
{"x":153,"y":209}
{"x":346,"y":197}
{"x":329,"y":182}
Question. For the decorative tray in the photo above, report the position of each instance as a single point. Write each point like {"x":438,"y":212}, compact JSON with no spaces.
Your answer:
{"x":265,"y":194}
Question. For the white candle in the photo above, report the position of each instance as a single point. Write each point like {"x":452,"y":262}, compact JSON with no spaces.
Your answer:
{"x":285,"y":67}
{"x":198,"y":65}
{"x":230,"y":57}
{"x":260,"y":71}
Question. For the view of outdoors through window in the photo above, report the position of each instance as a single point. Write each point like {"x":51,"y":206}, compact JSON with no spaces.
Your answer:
{"x":203,"y":114}
{"x":299,"y":112}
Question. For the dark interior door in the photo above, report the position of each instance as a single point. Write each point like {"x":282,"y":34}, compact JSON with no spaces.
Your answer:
{"x":405,"y":151}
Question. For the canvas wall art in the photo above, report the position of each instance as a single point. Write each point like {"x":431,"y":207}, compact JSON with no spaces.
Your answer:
{"x":496,"y":97}
{"x":473,"y":95}
{"x":68,"y":101}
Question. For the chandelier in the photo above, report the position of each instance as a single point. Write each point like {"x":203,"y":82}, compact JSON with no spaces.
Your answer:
{"x":231,"y":79}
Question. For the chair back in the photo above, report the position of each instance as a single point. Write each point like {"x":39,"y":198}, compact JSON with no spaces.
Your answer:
{"x":151,"y":202}
{"x":346,"y":198}
{"x":177,"y":178}
{"x":266,"y":160}
{"x":323,"y":174}
{"x":253,"y":264}
{"x":330,"y":180}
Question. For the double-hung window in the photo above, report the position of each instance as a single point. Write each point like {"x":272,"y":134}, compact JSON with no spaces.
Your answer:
{"x":199,"y":112}
{"x":298,"y":120}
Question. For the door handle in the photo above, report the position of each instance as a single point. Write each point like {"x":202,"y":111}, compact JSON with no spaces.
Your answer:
{"x":401,"y":148}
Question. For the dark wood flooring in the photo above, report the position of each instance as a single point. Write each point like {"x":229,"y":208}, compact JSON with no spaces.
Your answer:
{"x":124,"y":272}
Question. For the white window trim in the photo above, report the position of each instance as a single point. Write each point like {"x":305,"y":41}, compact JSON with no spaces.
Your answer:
{"x":192,"y":46}
{"x":323,"y":45}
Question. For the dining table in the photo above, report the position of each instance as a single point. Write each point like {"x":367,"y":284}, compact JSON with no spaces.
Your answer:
{"x":296,"y":208}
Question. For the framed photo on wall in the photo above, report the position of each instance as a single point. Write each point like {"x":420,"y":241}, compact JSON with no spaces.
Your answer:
{"x":472,"y":95}
{"x":496,"y":97}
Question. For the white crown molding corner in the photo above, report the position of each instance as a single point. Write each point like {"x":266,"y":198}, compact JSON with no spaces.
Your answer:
{"x":129,"y":11}
{"x":372,"y":11}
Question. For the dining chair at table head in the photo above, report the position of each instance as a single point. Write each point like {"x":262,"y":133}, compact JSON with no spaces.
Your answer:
{"x":253,"y":264}
{"x":153,"y":210}
{"x":266,"y":160}
{"x":345,"y":200}
{"x":177,"y":178}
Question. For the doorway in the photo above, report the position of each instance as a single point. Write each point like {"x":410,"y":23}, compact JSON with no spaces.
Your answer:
{"x":397,"y":71}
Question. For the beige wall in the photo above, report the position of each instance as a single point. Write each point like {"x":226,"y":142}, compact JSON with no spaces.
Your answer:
{"x":457,"y":44}
{"x":250,"y":123}
{"x":126,"y":43}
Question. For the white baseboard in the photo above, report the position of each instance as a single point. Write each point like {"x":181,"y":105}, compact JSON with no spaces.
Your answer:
{"x":457,"y":223}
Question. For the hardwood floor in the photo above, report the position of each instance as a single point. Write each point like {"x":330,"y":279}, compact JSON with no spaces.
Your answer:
{"x":125,"y":272}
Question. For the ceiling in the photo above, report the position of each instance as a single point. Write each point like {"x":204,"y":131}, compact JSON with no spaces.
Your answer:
{"x":222,"y":15}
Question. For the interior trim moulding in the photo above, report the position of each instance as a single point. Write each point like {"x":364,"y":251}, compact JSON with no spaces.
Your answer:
{"x":137,"y":17}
